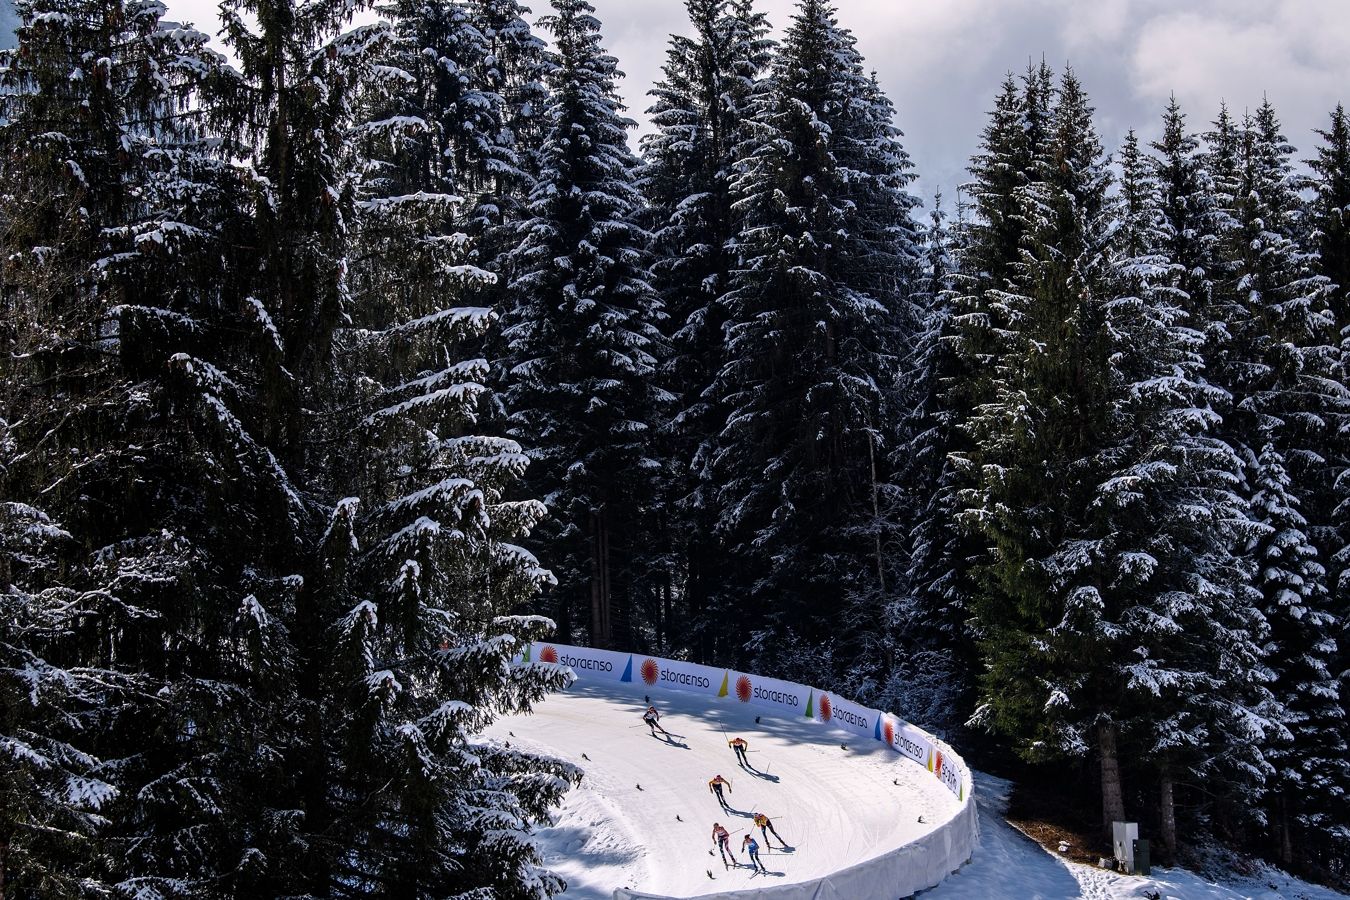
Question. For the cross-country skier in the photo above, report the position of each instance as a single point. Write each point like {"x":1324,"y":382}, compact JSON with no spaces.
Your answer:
{"x":765,"y":826}
{"x":751,"y":846}
{"x":652,"y":718}
{"x":738,"y":744}
{"x":715,"y":786}
{"x":722,"y":838}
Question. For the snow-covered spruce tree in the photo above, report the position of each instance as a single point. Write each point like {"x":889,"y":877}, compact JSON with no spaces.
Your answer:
{"x":1190,"y":225}
{"x":1185,"y":644}
{"x":584,"y":346}
{"x":1045,"y":404}
{"x":1312,"y":771}
{"x":1012,"y":148}
{"x":132,"y":401}
{"x":1331,"y":219}
{"x":1331,"y":209}
{"x":987,"y":250}
{"x":449,"y":124}
{"x":460,"y":78}
{"x":49,"y":806}
{"x":298,"y":79}
{"x":814,"y":338}
{"x":416,"y":566}
{"x":421,"y":562}
{"x":1289,"y":411}
{"x":959,"y":355}
{"x":1076,"y":592}
{"x":514,"y":69}
{"x":1290,"y":364}
{"x":927,"y":616}
{"x":700,"y":111}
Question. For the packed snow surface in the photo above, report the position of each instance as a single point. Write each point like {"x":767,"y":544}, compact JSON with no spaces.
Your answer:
{"x":1009,"y":864}
{"x":643,"y":815}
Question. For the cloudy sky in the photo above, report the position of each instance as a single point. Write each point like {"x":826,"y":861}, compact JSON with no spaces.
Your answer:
{"x":941,"y":61}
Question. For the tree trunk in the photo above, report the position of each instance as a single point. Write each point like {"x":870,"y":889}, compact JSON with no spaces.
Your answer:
{"x":601,"y":631}
{"x":694,"y":598}
{"x":4,"y":863}
{"x":1167,"y":814}
{"x":1286,"y":839}
{"x":876,"y":511}
{"x":1113,"y":806}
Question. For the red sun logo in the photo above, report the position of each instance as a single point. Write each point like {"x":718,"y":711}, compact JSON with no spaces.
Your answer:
{"x":825,"y":711}
{"x":937,"y":767}
{"x":650,"y":671}
{"x":743,"y":688}
{"x":888,"y":731}
{"x":548,"y":654}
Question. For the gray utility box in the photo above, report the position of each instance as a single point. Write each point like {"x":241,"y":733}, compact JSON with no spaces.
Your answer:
{"x":1123,"y":837}
{"x":1142,"y":864}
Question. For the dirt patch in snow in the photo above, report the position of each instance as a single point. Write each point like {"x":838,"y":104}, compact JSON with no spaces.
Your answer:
{"x":1050,"y":819}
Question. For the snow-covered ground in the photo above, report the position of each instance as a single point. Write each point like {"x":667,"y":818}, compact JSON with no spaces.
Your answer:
{"x":1010,"y":864}
{"x":834,"y":806}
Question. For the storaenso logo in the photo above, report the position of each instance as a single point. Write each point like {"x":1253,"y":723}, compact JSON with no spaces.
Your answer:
{"x":908,"y":747}
{"x":684,"y":678}
{"x":649,"y":670}
{"x":851,"y":718}
{"x":586,"y":663}
{"x":776,"y":697}
{"x":950,"y":775}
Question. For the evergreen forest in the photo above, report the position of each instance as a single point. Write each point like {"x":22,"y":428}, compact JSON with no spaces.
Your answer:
{"x":333,"y":371}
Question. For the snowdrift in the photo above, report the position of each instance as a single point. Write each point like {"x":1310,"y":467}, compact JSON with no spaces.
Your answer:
{"x":867,"y":824}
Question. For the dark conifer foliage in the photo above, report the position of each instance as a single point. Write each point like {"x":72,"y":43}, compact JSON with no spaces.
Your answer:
{"x":928,"y":615}
{"x":701,"y":111}
{"x":260,"y":521}
{"x":583,"y":343}
{"x":139,"y":501}
{"x":817,"y":326}
{"x":1112,"y":615}
{"x":319,"y":368}
{"x":1331,"y":207}
{"x":1288,"y":414}
{"x":1330,"y":214}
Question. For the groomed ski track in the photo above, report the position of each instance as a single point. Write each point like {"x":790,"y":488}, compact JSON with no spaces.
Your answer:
{"x":837,"y":807}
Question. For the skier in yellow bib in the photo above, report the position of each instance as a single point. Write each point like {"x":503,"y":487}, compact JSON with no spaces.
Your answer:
{"x":715,"y":786}
{"x":765,"y":825}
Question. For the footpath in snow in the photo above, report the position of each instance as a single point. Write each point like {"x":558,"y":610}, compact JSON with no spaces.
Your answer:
{"x":834,"y":806}
{"x":1009,"y":864}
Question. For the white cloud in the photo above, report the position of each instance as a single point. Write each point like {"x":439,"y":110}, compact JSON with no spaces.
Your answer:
{"x":1294,"y":51}
{"x":942,"y":60}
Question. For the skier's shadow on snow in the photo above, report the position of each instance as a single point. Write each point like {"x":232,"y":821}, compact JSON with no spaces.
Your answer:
{"x":758,"y":774}
{"x":766,"y":873}
{"x":670,"y":741}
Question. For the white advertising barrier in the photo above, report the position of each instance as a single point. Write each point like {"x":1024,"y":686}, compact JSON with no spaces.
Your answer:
{"x":784,"y":697}
{"x":903,"y":872}
{"x":848,"y":715}
{"x":918,"y":865}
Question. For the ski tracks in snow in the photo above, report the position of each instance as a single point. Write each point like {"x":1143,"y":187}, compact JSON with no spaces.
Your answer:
{"x":836,"y":806}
